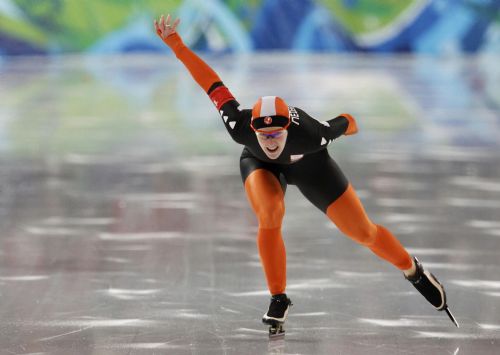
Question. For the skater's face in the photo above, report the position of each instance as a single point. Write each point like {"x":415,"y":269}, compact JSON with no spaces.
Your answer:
{"x":272,"y":143}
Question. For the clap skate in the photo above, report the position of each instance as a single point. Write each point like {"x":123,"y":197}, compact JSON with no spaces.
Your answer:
{"x":276,"y":315}
{"x":428,"y":285}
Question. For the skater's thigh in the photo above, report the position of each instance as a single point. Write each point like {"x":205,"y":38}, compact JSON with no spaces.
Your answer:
{"x":265,"y":192}
{"x":319,"y":179}
{"x":348,"y":214}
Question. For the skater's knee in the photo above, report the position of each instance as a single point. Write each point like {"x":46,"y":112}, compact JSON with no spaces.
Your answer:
{"x":271,"y":215}
{"x":363,"y":233}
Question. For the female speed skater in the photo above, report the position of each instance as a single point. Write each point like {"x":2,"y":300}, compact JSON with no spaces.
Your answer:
{"x":284,"y":145}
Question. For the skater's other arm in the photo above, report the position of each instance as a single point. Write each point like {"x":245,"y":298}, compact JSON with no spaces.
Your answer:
{"x":343,"y":124}
{"x":201,"y":72}
{"x":329,"y":130}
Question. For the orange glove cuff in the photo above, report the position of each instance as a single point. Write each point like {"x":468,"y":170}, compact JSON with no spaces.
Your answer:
{"x":174,"y":41}
{"x":352,"y":128}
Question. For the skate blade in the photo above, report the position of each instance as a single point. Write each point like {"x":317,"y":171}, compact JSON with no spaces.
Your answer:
{"x":276,"y":332}
{"x":448,"y":312}
{"x":277,"y":336}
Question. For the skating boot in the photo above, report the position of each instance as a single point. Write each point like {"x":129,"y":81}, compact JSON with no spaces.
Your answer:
{"x":276,"y":315}
{"x":427,"y":284}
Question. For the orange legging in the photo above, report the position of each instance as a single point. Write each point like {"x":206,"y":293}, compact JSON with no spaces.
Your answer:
{"x":350,"y":217}
{"x":267,"y":200}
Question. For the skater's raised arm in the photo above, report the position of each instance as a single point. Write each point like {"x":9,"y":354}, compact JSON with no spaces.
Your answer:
{"x":201,"y":72}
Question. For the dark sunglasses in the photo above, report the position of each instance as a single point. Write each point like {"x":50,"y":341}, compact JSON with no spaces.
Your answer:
{"x":273,"y":134}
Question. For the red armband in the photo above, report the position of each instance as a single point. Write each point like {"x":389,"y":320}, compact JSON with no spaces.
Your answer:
{"x":220,"y":96}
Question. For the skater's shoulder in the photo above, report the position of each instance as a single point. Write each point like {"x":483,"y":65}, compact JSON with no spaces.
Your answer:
{"x":297,"y":110}
{"x":299,"y":113}
{"x":246,"y":112}
{"x":299,"y":117}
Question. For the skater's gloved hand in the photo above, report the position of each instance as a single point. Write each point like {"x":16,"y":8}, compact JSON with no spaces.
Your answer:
{"x":352,"y":128}
{"x":165,"y":30}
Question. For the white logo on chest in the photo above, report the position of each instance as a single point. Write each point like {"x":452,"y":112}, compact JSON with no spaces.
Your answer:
{"x":294,"y":115}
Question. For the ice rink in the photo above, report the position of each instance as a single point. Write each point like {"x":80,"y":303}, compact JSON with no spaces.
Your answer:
{"x":125,"y":229}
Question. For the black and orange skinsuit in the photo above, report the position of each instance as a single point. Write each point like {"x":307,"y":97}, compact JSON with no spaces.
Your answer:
{"x":304,"y":162}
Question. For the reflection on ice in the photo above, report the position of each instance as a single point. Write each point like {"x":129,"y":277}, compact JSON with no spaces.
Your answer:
{"x":120,"y":293}
{"x":141,"y":346}
{"x":477,"y":284}
{"x":53,"y":231}
{"x":453,"y":266}
{"x":477,"y":183}
{"x":24,"y":278}
{"x":310,"y":314}
{"x":134,"y":237}
{"x":483,"y":224}
{"x":98,"y":323}
{"x":489,"y":326}
{"x":402,"y":322}
{"x":61,"y":221}
{"x":473,"y":203}
{"x":462,"y":336}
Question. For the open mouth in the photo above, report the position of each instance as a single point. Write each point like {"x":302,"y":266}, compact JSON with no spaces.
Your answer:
{"x":272,"y":150}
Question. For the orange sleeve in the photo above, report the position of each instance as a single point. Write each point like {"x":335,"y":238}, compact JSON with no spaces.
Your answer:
{"x":200,"y":71}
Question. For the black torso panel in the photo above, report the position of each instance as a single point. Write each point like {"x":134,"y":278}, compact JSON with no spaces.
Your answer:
{"x":306,"y":135}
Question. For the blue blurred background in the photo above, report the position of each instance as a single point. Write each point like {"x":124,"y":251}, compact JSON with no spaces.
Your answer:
{"x":400,"y":66}
{"x":95,"y":26}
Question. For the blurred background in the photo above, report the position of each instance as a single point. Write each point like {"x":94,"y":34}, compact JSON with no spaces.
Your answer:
{"x":420,"y":26}
{"x":77,"y":48}
{"x":124,"y":226}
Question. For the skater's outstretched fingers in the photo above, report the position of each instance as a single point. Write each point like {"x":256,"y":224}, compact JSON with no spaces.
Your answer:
{"x":164,"y":28}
